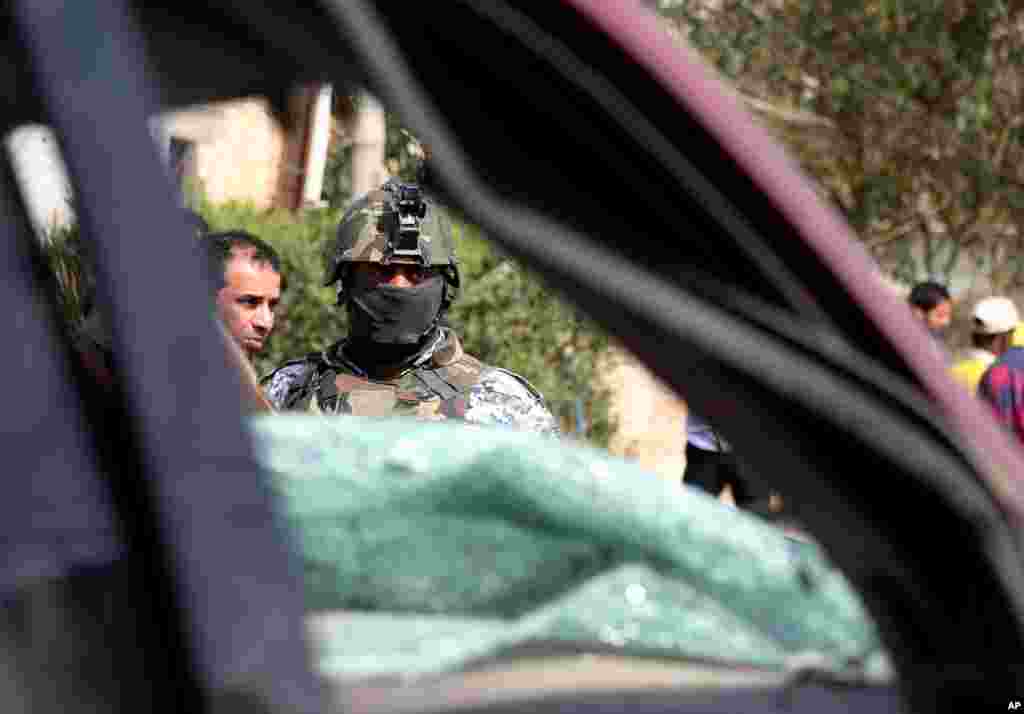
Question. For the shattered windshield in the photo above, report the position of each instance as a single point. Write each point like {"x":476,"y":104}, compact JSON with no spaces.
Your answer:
{"x":439,"y":547}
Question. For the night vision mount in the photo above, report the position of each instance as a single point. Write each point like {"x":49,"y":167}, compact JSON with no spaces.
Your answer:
{"x":404,"y":211}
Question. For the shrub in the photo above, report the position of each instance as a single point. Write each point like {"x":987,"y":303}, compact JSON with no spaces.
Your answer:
{"x":504,"y":314}
{"x":64,"y":254}
{"x":507,"y":317}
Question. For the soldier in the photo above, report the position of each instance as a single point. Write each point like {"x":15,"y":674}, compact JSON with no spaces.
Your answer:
{"x":394,"y":263}
{"x":93,"y":342}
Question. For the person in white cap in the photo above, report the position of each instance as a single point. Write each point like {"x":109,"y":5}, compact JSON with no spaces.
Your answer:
{"x":993,"y":322}
{"x":1002,"y":387}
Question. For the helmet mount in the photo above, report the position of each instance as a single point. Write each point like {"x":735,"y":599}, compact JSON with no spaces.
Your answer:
{"x":396,"y":223}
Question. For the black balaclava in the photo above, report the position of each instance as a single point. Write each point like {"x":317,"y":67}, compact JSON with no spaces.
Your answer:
{"x":389,"y":315}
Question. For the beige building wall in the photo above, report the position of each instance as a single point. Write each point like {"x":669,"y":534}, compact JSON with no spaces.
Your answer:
{"x":240,"y":152}
{"x":651,"y":419}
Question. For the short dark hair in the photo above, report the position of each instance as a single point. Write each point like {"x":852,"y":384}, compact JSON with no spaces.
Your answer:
{"x":927,"y":295}
{"x":220,"y":248}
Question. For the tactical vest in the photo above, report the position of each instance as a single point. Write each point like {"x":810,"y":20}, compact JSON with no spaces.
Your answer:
{"x":435,"y":390}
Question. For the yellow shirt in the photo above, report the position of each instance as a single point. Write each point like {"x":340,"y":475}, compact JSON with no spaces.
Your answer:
{"x":1018,"y":336}
{"x":968,"y":370}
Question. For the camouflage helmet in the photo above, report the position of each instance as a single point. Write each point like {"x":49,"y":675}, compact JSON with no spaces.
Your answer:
{"x":392,"y":224}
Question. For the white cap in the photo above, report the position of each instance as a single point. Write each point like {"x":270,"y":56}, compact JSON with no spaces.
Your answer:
{"x":994,"y":316}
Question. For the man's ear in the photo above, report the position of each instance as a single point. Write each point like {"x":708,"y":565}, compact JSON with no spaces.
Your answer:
{"x":1005,"y":342}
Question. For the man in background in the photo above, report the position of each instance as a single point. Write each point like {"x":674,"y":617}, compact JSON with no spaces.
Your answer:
{"x":712,"y":466}
{"x":931,"y":304}
{"x":993,"y":322}
{"x":248,"y":286}
{"x":1002,"y":387}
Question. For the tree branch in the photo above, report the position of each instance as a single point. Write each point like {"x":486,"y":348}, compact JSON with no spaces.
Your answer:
{"x":793,"y":117}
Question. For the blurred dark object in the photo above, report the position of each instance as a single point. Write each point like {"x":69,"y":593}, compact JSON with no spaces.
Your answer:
{"x":630,"y":180}
{"x":714,"y":471}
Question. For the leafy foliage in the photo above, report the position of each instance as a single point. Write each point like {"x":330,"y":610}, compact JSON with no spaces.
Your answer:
{"x":906,"y":111}
{"x":504,"y":314}
{"x":64,"y":253}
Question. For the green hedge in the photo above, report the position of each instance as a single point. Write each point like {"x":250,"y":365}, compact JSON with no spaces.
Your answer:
{"x":507,"y":317}
{"x":504,"y":314}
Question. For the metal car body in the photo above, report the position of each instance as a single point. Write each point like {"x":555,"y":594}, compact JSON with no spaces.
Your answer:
{"x":592,"y":147}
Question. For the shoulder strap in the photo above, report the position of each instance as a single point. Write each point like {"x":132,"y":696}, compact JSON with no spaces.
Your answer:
{"x":435,"y":382}
{"x":456,"y":371}
{"x":327,"y":388}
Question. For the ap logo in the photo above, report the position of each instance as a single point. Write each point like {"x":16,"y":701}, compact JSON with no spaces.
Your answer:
{"x":1013,"y":706}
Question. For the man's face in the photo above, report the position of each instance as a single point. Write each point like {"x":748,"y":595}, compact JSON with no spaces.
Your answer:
{"x":938,"y":318}
{"x":248,"y":300}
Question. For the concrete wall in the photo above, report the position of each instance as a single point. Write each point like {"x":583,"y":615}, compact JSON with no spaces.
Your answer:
{"x":651,"y":419}
{"x":240,"y":152}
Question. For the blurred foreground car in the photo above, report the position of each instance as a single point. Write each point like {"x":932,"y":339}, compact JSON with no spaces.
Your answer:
{"x":434,"y":548}
{"x":146,"y":560}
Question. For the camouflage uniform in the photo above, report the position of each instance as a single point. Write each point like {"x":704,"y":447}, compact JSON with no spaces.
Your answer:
{"x":445,"y":383}
{"x":441,"y":381}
